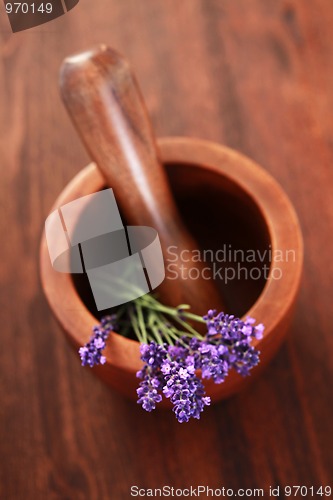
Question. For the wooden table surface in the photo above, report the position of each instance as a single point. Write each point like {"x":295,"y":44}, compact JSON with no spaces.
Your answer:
{"x":256,"y":75}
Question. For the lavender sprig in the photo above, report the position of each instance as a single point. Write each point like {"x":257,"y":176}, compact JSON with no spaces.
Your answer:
{"x":174,"y":352}
{"x":91,"y":352}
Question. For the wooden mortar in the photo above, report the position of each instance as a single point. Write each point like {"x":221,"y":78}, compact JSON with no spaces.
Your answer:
{"x":203,"y":167}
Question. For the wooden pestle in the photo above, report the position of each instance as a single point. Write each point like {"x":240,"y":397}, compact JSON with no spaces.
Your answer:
{"x":106,"y":107}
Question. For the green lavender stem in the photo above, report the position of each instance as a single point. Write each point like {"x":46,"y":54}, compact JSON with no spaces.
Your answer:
{"x":149,"y":318}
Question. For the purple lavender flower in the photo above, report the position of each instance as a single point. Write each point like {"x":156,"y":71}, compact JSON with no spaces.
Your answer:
{"x":148,"y":393}
{"x":185,"y":390}
{"x":153,"y":355}
{"x":244,"y":357}
{"x":91,"y":352}
{"x":214,"y":362}
{"x":173,"y":370}
{"x":232,"y":338}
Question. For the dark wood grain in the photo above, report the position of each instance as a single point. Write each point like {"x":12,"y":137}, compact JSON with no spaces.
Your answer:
{"x":255,"y":75}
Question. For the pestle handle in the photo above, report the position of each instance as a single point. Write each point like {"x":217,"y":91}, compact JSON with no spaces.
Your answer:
{"x":105,"y":104}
